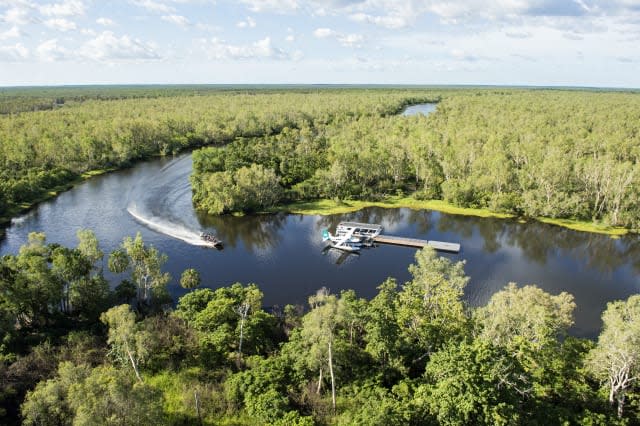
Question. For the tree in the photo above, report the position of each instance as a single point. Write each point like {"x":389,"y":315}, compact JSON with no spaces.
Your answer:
{"x":527,"y":315}
{"x":473,"y":383}
{"x":145,"y":263}
{"x":318,"y":331}
{"x":616,"y":358}
{"x":88,"y":245}
{"x":109,"y":397}
{"x":430,"y":308}
{"x":190,"y":279}
{"x":128,"y":342}
{"x":48,"y":403}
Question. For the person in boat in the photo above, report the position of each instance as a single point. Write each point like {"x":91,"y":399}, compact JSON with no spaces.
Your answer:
{"x":209,"y":238}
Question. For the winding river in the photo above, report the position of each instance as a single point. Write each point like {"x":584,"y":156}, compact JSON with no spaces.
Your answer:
{"x":285,"y":256}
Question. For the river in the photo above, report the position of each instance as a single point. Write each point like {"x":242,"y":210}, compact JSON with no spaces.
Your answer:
{"x":285,"y":256}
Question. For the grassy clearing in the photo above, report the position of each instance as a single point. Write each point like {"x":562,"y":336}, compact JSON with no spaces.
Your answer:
{"x":576,"y":225}
{"x":327,"y":207}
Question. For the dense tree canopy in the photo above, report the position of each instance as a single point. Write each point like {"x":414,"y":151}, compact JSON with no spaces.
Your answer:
{"x":413,"y":354}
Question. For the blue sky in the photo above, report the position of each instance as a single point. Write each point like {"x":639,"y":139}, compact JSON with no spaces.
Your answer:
{"x":510,"y":42}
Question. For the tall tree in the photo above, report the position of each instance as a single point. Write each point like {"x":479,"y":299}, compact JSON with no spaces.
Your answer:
{"x":615,"y":360}
{"x":319,"y":331}
{"x":145,"y":263}
{"x":128,"y":342}
{"x":430,"y":308}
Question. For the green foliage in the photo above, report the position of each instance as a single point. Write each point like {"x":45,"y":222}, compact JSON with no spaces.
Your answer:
{"x":128,"y":341}
{"x":430,"y":310}
{"x":473,"y":383}
{"x":111,"y":397}
{"x":245,"y":189}
{"x":145,"y":263}
{"x":525,"y":318}
{"x":190,"y":279}
{"x":229,"y":319}
{"x":411,"y":355}
{"x":615,"y":361}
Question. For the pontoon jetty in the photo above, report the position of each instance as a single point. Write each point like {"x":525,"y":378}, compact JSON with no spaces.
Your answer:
{"x":352,"y":236}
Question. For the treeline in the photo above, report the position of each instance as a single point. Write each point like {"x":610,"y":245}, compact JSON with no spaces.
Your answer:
{"x":75,"y":352}
{"x":531,"y":153}
{"x":44,"y":149}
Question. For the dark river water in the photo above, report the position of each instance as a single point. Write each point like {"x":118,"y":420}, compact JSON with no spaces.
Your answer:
{"x":285,"y":256}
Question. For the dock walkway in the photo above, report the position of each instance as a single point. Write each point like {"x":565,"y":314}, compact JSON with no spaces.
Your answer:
{"x":414,"y":242}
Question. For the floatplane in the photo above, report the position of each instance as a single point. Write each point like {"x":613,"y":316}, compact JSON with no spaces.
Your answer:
{"x":352,"y":236}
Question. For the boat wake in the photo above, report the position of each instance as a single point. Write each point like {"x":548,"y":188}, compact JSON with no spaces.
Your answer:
{"x":163,"y":226}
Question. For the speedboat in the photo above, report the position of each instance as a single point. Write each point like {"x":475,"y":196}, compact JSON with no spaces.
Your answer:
{"x":211,"y":239}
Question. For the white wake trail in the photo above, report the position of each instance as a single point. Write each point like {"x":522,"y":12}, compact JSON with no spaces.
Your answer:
{"x":165,"y":227}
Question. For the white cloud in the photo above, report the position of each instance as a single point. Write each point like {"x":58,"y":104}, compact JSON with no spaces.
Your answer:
{"x":51,"y":51}
{"x":14,"y":53}
{"x":13,"y":32}
{"x":290,"y":38}
{"x":65,"y":8}
{"x":324,"y":32}
{"x":277,"y":6}
{"x":154,"y":6}
{"x":351,"y":40}
{"x":105,"y":22}
{"x":248,"y":23}
{"x":261,"y":49}
{"x":391,"y":22}
{"x":60,"y":24}
{"x":176,"y":19}
{"x":109,"y":47}
{"x":18,"y":15}
{"x":346,"y":40}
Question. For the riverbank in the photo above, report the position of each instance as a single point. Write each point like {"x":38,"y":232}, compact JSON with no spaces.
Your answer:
{"x":327,"y":207}
{"x":48,"y":193}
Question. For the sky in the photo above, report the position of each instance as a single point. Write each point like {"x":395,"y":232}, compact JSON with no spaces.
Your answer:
{"x":478,"y":42}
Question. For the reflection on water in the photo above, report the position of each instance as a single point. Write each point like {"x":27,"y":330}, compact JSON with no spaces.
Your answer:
{"x":285,"y":255}
{"x":260,"y":232}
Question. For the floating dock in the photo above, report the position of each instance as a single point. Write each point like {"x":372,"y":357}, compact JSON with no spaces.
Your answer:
{"x":414,"y":242}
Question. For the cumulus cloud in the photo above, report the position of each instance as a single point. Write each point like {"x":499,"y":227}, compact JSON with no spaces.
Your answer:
{"x":13,"y":32}
{"x":391,"y":22}
{"x":277,"y":6}
{"x":51,"y":51}
{"x":154,"y":6}
{"x":105,"y":22}
{"x":324,"y":32}
{"x":346,"y":40}
{"x":248,"y":23}
{"x":176,"y":19}
{"x":65,"y":8}
{"x":17,"y":15}
{"x":109,"y":47}
{"x":60,"y":24}
{"x":14,"y":53}
{"x":261,"y":49}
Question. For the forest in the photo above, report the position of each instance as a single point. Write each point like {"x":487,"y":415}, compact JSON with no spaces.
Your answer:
{"x":77,"y":348}
{"x":76,"y":351}
{"x":529,"y":153}
{"x":110,"y":128}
